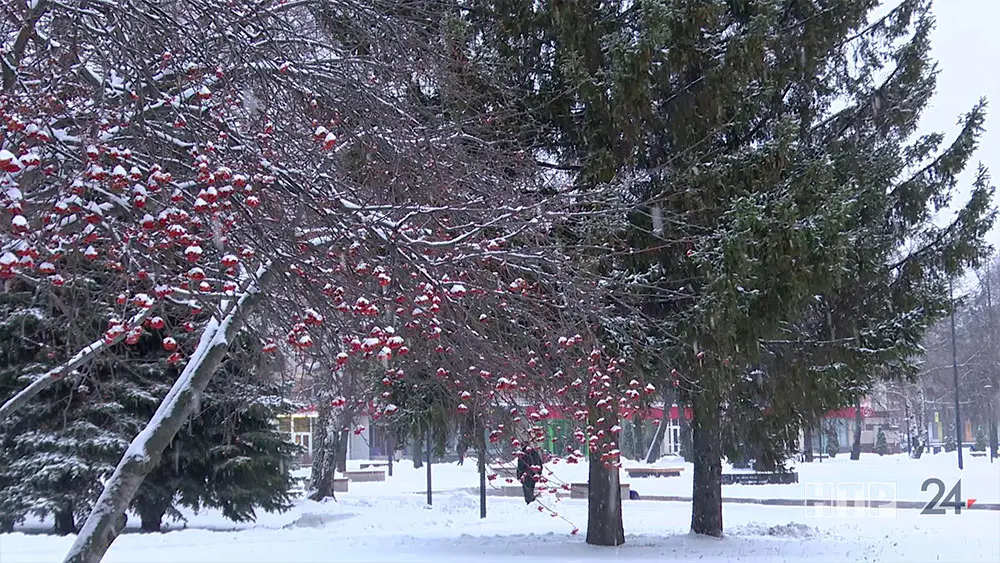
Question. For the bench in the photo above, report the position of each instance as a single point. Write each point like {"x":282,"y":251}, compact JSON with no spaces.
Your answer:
{"x":581,"y":490}
{"x":503,"y":470}
{"x":373,"y":464}
{"x":365,"y":475}
{"x":301,"y":485}
{"x":509,"y":491}
{"x":760,"y":478}
{"x":636,"y":472}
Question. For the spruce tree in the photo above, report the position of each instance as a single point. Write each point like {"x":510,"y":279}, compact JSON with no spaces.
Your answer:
{"x":57,"y":451}
{"x":893,"y":281}
{"x":981,"y":442}
{"x":231,"y":456}
{"x":766,"y":230}
{"x":54,"y":453}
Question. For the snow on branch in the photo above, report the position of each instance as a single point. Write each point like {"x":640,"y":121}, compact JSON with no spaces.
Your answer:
{"x":144,"y":452}
{"x":87,"y":353}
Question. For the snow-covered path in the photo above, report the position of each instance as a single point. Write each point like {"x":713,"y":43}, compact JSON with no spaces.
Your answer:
{"x":389,"y":521}
{"x":399,"y":528}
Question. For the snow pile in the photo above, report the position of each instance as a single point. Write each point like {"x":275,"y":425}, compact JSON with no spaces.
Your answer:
{"x":790,"y":530}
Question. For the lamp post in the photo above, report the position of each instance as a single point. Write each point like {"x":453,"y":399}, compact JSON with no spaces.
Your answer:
{"x":909,"y":430}
{"x":993,"y":422}
{"x":954,"y":365}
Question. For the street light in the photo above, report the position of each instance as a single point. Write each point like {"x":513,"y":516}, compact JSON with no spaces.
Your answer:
{"x":993,"y":422}
{"x":954,"y":365}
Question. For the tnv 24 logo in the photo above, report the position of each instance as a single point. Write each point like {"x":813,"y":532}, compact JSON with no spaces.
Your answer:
{"x":953,"y":499}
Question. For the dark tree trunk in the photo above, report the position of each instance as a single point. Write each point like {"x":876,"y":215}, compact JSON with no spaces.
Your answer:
{"x":341,"y":451}
{"x":604,"y":504}
{"x":152,"y":517}
{"x":430,"y":498}
{"x":856,"y":448}
{"x":807,"y":444}
{"x":993,"y":435}
{"x":480,"y":437}
{"x":640,"y":439}
{"x":65,"y":522}
{"x":391,"y":446}
{"x":686,"y":437}
{"x":706,"y":497}
{"x":604,"y":496}
{"x":418,"y":452}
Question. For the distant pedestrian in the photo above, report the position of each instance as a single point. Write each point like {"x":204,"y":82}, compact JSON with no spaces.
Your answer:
{"x":529,"y":468}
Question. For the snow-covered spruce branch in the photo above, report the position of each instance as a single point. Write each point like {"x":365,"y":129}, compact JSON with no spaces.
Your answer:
{"x":87,"y":353}
{"x":143,"y":454}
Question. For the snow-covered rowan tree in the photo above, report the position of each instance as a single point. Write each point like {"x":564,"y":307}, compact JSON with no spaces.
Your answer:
{"x":229,"y":455}
{"x":234,"y":151}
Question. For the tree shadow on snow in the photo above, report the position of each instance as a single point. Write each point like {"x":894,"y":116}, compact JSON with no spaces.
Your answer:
{"x":750,"y":544}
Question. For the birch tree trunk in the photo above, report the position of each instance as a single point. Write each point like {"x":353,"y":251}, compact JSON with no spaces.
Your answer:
{"x":661,"y":430}
{"x":921,"y":422}
{"x":324,"y":452}
{"x":146,"y":449}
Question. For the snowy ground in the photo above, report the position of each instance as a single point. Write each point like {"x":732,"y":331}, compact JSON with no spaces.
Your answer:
{"x":383,"y":521}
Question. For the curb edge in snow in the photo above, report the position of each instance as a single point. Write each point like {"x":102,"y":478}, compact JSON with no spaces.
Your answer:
{"x":906,"y":504}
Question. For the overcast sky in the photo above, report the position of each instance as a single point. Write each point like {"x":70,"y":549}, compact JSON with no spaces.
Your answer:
{"x":966,"y":45}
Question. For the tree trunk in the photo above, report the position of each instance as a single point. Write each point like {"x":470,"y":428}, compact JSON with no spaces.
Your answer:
{"x":391,"y":446}
{"x":640,"y":439}
{"x":65,"y":522}
{"x":152,"y":517}
{"x":144,"y":453}
{"x":6,"y":524}
{"x":418,"y":452}
{"x":654,"y":448}
{"x":856,"y":448}
{"x":993,"y":438}
{"x":345,"y":435}
{"x":427,"y":444}
{"x":686,"y":437}
{"x":604,"y":495}
{"x":706,"y":497}
{"x":807,"y":444}
{"x":324,"y":453}
{"x":481,"y":455}
{"x":917,"y":449}
{"x":604,"y":504}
